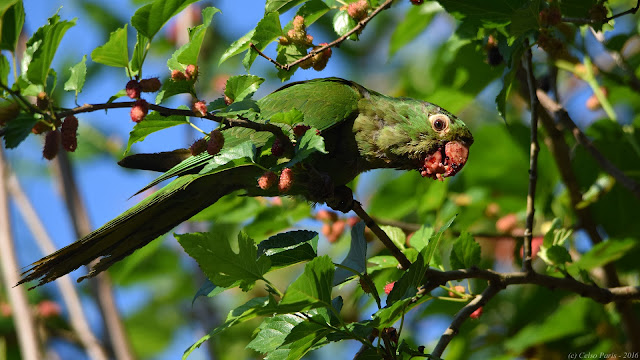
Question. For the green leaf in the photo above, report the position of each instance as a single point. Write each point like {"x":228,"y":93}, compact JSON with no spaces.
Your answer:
{"x":312,"y":289}
{"x":240,"y":87}
{"x":281,"y":6}
{"x":287,"y":336}
{"x":603,"y":253}
{"x":5,"y":68}
{"x":576,"y":8}
{"x":12,"y":14}
{"x":152,"y":122}
{"x":291,"y":117}
{"x":220,"y":263}
{"x":139,"y":54}
{"x":396,"y":235}
{"x":76,"y":79}
{"x":150,"y":18}
{"x":237,"y":46}
{"x":526,"y":19}
{"x":407,"y":286}
{"x":415,"y":21}
{"x":245,"y":150}
{"x":267,"y":30}
{"x":114,"y":52}
{"x":273,"y":332}
{"x":18,"y":129}
{"x":465,"y":252}
{"x":311,"y":11}
{"x":487,"y":14}
{"x":41,"y":49}
{"x":310,"y":143}
{"x":554,"y":255}
{"x":342,"y":23}
{"x":420,"y":238}
{"x":289,"y":248}
{"x":249,"y":310}
{"x":356,"y":259}
{"x":171,"y":88}
{"x":434,"y":241}
{"x":209,"y":289}
{"x":188,"y":53}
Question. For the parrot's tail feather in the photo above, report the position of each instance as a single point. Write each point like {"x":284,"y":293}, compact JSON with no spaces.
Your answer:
{"x":151,"y":218}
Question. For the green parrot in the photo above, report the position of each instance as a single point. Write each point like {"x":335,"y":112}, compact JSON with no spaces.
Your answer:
{"x":362,"y":130}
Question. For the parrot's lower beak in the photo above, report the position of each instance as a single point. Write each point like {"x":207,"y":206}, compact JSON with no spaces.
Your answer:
{"x":445,"y":161}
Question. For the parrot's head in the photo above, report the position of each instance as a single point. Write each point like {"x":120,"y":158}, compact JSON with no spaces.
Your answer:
{"x":447,"y":141}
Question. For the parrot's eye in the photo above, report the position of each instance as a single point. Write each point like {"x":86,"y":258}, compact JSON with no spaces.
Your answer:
{"x":439,"y":122}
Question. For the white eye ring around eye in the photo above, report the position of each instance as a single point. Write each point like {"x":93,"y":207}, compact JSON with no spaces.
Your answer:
{"x":439,"y":122}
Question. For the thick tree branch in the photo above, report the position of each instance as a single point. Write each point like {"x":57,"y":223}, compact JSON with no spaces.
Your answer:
{"x":359,"y":26}
{"x":561,"y":114}
{"x":103,"y":286}
{"x":533,"y":160}
{"x":69,"y":294}
{"x":22,"y":315}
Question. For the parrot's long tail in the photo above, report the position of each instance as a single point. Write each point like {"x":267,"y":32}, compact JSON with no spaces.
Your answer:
{"x":138,"y":226}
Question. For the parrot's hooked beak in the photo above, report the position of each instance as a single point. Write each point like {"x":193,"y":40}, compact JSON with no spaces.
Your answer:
{"x":445,"y":161}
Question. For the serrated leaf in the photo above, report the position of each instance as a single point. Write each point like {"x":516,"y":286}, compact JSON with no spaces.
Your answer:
{"x":312,"y":289}
{"x":114,"y":52}
{"x":603,"y":253}
{"x":554,"y":255}
{"x":465,"y":252}
{"x":396,"y":235}
{"x":12,"y":14}
{"x":342,"y":23}
{"x":434,"y":241}
{"x":244,"y":151}
{"x":420,"y":238}
{"x":188,"y":53}
{"x":309,"y":143}
{"x":150,"y":18}
{"x":281,"y":6}
{"x":249,"y":310}
{"x":407,"y":286}
{"x":18,"y":129}
{"x":356,"y":258}
{"x":291,"y":117}
{"x":209,"y":289}
{"x":220,"y":263}
{"x":525,"y":19}
{"x":240,"y":87}
{"x":267,"y":30}
{"x":289,"y":248}
{"x":415,"y":21}
{"x":152,"y":122}
{"x":139,"y":54}
{"x":42,"y":48}
{"x":238,"y":46}
{"x":171,"y":88}
{"x":273,"y":332}
{"x":76,"y":79}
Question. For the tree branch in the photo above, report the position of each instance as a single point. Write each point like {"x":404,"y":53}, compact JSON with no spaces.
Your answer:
{"x":30,"y":348}
{"x":585,"y":21}
{"x":371,"y":224}
{"x":69,"y":294}
{"x":359,"y":26}
{"x":463,"y":315}
{"x":533,"y":160}
{"x":560,"y":113}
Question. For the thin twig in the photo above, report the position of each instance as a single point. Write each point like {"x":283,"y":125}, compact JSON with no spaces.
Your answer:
{"x":80,"y":219}
{"x":69,"y":294}
{"x":30,"y":348}
{"x":435,"y":278}
{"x":533,"y":161}
{"x":463,"y":315}
{"x":560,"y":113}
{"x":399,"y":255}
{"x":359,"y":26}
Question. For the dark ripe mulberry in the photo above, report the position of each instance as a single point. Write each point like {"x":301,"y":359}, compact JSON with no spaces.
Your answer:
{"x":133,"y":89}
{"x":216,"y":142}
{"x":267,"y":180}
{"x":51,"y":145}
{"x":300,"y":129}
{"x":276,"y":148}
{"x":139,"y":110}
{"x":286,"y":180}
{"x":69,"y":133}
{"x":198,"y":147}
{"x":494,"y":58}
{"x":42,"y":100}
{"x":150,"y":85}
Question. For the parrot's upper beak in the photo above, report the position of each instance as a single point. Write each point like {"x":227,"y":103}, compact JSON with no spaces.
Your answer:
{"x":445,"y":161}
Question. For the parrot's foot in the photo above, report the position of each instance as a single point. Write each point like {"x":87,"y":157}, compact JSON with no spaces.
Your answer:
{"x":342,"y":199}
